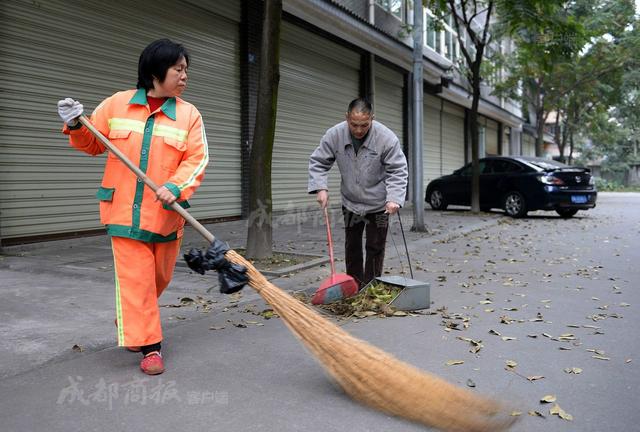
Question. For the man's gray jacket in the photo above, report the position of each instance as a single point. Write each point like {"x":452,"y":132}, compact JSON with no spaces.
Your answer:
{"x":376,"y":175}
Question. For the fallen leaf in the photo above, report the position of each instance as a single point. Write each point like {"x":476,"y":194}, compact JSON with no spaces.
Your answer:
{"x":470,"y":383}
{"x":556,"y":410}
{"x":548,"y":399}
{"x":598,"y":357}
{"x":508,"y":338}
{"x":399,"y":313}
{"x":511,"y":363}
{"x":516,"y":413}
{"x":454,"y":362}
{"x":216,"y":327}
{"x":493,"y":332}
{"x":573,"y":370}
{"x":536,"y":414}
{"x":535,"y":377}
{"x":77,"y":348}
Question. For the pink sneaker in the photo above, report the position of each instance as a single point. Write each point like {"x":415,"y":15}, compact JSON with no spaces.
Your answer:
{"x":152,"y":363}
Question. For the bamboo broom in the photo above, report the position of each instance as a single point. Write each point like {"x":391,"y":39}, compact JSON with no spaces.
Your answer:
{"x":365,"y":372}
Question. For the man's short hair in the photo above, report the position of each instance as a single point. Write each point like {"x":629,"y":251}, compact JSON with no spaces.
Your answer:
{"x":156,"y":59}
{"x":360,"y":105}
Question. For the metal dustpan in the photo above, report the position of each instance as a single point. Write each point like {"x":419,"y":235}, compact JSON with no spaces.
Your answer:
{"x":415,"y":294}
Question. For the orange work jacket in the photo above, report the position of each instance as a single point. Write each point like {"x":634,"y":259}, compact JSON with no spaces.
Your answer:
{"x":169,"y":145}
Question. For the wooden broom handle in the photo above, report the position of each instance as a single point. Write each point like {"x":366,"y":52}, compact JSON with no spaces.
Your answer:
{"x":142,"y":176}
{"x":326,"y":220}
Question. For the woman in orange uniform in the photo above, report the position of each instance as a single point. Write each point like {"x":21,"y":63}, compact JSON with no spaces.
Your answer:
{"x":165,"y":137}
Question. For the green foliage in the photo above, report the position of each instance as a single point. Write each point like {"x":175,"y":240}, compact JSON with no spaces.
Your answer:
{"x":603,"y":185}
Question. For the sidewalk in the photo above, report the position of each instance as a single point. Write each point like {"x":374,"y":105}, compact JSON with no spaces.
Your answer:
{"x":58,"y":295}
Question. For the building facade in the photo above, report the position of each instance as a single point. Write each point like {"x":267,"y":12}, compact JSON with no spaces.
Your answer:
{"x":331,"y":52}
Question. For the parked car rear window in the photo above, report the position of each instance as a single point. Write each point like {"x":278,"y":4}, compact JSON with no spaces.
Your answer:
{"x":504,"y":166}
{"x":544,"y":163}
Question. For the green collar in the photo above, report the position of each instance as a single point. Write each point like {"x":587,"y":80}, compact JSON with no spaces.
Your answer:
{"x":168,"y":107}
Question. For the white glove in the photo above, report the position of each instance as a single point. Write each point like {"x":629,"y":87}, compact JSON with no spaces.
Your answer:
{"x":69,"y":110}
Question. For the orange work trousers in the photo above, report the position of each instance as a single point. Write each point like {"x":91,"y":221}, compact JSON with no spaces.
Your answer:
{"x":142,"y":272}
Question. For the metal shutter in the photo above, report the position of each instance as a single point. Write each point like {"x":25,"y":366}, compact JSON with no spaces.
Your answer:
{"x":491,"y":137}
{"x":528,"y":145}
{"x":452,"y":138}
{"x":318,"y":79}
{"x":431,"y":149}
{"x":89,"y":51}
{"x":506,"y":140}
{"x":389,"y":97}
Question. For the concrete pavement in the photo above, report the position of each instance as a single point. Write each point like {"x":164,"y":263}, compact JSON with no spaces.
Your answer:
{"x":545,"y":293}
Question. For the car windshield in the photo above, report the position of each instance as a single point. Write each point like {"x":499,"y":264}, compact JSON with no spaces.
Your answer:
{"x":545,"y":164}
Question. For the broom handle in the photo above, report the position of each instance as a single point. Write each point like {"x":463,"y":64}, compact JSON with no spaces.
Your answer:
{"x":142,"y":176}
{"x":326,"y":220}
{"x":405,"y":244}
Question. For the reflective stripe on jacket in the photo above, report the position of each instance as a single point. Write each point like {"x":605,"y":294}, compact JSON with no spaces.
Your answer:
{"x":168,"y":145}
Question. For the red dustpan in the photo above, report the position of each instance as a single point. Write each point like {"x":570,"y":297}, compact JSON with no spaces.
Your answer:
{"x":338,"y":285}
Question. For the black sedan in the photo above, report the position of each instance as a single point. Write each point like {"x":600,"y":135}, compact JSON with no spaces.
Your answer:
{"x":518,"y":184}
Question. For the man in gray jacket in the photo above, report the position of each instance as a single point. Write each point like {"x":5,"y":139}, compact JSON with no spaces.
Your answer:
{"x":373,"y":184}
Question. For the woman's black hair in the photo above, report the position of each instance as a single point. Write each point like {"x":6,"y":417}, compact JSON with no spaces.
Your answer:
{"x":156,"y":59}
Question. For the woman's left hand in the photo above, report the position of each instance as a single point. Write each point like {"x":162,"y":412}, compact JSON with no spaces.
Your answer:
{"x":165,"y":195}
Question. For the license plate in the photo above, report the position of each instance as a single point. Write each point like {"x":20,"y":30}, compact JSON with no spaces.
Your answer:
{"x":578,"y":199}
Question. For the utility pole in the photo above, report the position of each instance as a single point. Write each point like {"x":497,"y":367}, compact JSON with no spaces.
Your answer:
{"x":416,"y":143}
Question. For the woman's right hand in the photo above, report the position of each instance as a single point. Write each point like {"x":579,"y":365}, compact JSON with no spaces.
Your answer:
{"x":69,"y":110}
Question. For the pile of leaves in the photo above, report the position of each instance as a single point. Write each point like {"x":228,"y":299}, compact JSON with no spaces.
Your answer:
{"x":374,"y":299}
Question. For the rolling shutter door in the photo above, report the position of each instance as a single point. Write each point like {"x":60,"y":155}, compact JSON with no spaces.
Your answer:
{"x":528,"y":145}
{"x":45,"y":186}
{"x":491,"y":143}
{"x":431,"y":150}
{"x":389,"y":99}
{"x":452,"y":138}
{"x":318,"y":79}
{"x":506,"y":141}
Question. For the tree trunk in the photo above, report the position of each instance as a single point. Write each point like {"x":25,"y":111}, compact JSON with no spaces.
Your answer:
{"x":556,"y":131}
{"x":540,"y":119}
{"x":570,"y":159}
{"x":563,"y":140}
{"x":475,"y":140}
{"x":259,"y":232}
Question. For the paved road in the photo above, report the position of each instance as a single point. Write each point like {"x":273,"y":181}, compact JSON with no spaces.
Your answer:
{"x":542,"y":293}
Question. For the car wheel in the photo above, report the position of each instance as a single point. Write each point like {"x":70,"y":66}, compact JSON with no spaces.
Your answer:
{"x":437,"y":201}
{"x":515,"y":204}
{"x":566,"y":213}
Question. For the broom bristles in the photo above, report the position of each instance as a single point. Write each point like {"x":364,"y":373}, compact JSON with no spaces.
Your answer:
{"x":376,"y":378}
